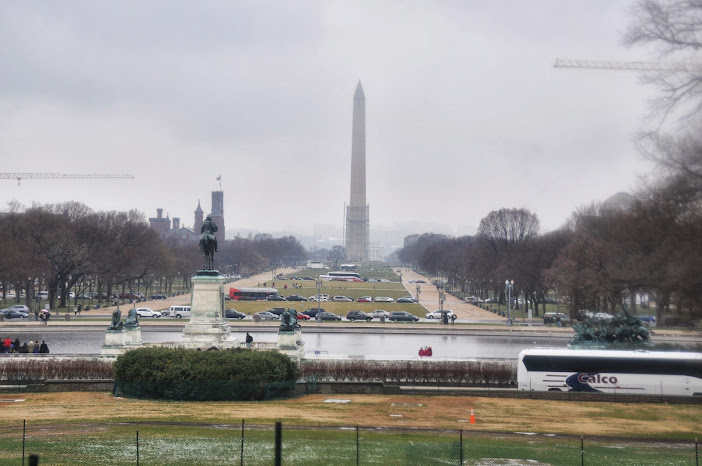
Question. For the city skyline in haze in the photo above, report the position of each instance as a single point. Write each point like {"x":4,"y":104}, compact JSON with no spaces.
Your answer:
{"x":465,"y":111}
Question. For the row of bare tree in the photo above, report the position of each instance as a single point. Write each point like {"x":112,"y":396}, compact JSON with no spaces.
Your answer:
{"x":66,"y":246}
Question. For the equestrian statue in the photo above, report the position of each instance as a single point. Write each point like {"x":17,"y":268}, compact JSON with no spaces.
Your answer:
{"x":208,"y":243}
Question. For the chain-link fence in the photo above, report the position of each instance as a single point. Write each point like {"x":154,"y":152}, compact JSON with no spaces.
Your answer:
{"x":255,"y":444}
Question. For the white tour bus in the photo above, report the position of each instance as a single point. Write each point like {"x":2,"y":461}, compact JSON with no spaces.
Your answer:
{"x":343,"y":275}
{"x":610,"y":371}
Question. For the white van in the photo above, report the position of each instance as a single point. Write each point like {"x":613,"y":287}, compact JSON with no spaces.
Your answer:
{"x":178,"y":312}
{"x":43,"y":294}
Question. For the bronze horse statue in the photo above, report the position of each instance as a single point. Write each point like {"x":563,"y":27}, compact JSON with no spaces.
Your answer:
{"x":208,"y":243}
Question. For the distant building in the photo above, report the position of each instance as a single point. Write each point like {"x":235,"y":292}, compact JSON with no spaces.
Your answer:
{"x":160,"y":224}
{"x":163,"y":227}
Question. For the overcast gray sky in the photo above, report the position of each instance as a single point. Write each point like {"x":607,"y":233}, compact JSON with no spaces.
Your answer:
{"x":465,"y":113}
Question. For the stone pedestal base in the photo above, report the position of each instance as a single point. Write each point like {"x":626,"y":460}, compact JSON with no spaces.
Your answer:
{"x":291,"y":343}
{"x":120,"y":341}
{"x":207,"y":327}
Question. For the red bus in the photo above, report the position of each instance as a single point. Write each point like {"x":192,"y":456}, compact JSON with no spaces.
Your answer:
{"x":251,"y":294}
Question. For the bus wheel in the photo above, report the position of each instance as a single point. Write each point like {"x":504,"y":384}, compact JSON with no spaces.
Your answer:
{"x":554,"y":389}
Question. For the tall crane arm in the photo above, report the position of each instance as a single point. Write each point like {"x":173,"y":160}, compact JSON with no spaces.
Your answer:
{"x":625,"y":65}
{"x":45,"y":176}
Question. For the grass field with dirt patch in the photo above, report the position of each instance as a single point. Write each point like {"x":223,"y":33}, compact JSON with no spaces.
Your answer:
{"x":638,"y":420}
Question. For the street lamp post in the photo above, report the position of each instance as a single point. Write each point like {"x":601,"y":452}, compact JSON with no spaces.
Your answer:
{"x":509,"y":284}
{"x":419,"y":289}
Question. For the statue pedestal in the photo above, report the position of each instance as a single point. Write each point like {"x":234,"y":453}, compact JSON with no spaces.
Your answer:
{"x":120,"y":341}
{"x":290,"y":343}
{"x":207,"y":327}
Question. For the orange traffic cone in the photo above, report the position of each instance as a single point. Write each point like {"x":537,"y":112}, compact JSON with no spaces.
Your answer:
{"x":472,"y":416}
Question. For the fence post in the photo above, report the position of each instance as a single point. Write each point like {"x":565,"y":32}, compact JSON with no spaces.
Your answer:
{"x":242,"y":442}
{"x":137,"y":445}
{"x":278,"y":443}
{"x":582,"y":452}
{"x":461,"y":463}
{"x":24,"y":435}
{"x":697,"y":458}
{"x":358,"y":452}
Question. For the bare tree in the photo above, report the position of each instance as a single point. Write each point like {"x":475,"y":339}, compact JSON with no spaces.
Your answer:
{"x":505,"y":227}
{"x":674,"y":29}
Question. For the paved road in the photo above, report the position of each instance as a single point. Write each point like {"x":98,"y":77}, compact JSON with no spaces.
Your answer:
{"x":429,"y":298}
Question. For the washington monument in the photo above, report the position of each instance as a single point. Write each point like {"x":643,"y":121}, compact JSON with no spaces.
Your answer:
{"x":356,"y":237}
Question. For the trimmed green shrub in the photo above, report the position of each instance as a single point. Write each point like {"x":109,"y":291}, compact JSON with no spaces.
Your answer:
{"x":180,"y":374}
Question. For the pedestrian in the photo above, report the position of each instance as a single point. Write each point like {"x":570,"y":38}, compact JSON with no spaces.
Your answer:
{"x":36,"y":349}
{"x":249,"y":340}
{"x":17,"y":344}
{"x":31,"y":346}
{"x":24,"y":348}
{"x":6,"y":344}
{"x":44,"y":348}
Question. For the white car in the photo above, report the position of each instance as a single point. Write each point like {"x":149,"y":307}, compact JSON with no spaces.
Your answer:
{"x":146,"y":312}
{"x":378,"y":313}
{"x":437,"y":314}
{"x":383,"y":299}
{"x":323,"y":298}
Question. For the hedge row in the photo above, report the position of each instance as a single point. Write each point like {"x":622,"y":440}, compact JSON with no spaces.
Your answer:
{"x":69,"y":369}
{"x":180,"y":374}
{"x":454,"y":372}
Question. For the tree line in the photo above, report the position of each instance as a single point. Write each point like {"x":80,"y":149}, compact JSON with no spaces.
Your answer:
{"x":58,"y":247}
{"x":608,"y":257}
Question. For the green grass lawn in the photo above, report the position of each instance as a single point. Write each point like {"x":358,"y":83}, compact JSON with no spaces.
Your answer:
{"x":186,"y":444}
{"x":353,"y":290}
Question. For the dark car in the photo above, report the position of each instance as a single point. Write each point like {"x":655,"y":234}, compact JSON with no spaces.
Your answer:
{"x":358,"y":315}
{"x":276,"y":297}
{"x":406,"y":299}
{"x":234,"y":314}
{"x":313,"y":312}
{"x":402,"y":316}
{"x":277,"y":310}
{"x":327,"y":316}
{"x":296,"y":297}
{"x":159,"y":296}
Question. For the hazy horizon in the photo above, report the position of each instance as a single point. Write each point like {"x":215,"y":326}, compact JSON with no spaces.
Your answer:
{"x":465,"y":113}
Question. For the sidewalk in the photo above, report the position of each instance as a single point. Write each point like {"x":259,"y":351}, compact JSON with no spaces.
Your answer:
{"x":429,"y":298}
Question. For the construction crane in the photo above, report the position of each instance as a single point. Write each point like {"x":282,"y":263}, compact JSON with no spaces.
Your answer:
{"x":625,"y":65}
{"x":45,"y":176}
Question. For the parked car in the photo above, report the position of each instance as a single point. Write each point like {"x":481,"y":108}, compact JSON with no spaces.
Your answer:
{"x":364,"y":299}
{"x":358,"y":315}
{"x":647,"y":321}
{"x":178,"y":311}
{"x":406,"y":299}
{"x":158,"y":296}
{"x":265,"y":315}
{"x":322,"y":297}
{"x":234,"y":314}
{"x":277,"y":310}
{"x":12,"y":314}
{"x":383,"y":299}
{"x":327,"y":316}
{"x":402,"y":316}
{"x":313,"y":312}
{"x":378,"y":313}
{"x":146,"y":312}
{"x":302,"y":316}
{"x":17,"y":307}
{"x":556,"y":317}
{"x":342,"y":299}
{"x":437,"y":314}
{"x":296,"y":297}
{"x":276,"y":297}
